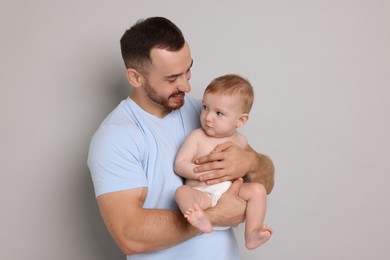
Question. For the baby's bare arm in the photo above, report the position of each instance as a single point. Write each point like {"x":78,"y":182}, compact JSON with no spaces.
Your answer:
{"x":184,"y":162}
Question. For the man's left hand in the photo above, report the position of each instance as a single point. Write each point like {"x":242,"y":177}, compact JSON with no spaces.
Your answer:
{"x":226,"y":162}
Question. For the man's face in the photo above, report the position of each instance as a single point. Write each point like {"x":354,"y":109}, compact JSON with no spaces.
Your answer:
{"x":168,"y":79}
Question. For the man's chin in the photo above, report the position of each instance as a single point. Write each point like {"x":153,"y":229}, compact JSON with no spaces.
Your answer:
{"x":176,"y":105}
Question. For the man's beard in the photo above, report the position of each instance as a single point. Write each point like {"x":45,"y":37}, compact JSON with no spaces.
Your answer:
{"x":152,"y":94}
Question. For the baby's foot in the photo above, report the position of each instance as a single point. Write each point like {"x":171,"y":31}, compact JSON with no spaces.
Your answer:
{"x":256,"y":240}
{"x":198,"y":218}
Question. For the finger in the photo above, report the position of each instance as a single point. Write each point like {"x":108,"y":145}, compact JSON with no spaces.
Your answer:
{"x":216,"y":154}
{"x":217,"y":174}
{"x":222,"y":147}
{"x":236,"y":185}
{"x":209,"y":158}
{"x":209,"y":162}
{"x":218,"y":180}
{"x":210,"y":175}
{"x":211,"y":170}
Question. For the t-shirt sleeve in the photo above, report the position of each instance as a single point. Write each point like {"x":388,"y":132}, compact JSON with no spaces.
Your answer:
{"x":115,"y":160}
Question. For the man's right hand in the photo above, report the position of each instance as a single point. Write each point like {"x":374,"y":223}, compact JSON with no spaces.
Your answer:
{"x":230,"y":209}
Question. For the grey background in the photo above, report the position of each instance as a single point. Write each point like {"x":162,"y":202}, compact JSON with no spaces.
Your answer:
{"x":321,"y":72}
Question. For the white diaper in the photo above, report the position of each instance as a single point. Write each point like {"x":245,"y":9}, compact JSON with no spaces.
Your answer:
{"x":215,"y":191}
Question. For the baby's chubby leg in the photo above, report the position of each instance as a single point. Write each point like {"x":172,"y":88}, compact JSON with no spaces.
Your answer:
{"x":256,"y":233}
{"x":192,"y":204}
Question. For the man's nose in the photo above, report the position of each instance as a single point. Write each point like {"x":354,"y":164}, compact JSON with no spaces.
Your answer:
{"x":184,"y":84}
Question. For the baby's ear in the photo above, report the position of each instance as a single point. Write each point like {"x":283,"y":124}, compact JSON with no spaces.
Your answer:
{"x":135,"y":78}
{"x":242,"y":120}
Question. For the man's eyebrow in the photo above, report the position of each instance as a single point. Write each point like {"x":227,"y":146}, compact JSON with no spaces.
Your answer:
{"x":176,"y":75}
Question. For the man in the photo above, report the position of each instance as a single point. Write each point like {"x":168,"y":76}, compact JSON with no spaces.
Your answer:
{"x":132,"y":154}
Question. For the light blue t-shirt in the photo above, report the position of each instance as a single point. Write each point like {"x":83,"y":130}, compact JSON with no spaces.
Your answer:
{"x":133,"y":149}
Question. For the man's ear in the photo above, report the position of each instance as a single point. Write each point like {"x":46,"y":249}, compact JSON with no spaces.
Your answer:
{"x":135,"y":78}
{"x":242,"y":120}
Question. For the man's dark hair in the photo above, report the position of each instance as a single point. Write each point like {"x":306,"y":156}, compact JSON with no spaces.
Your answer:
{"x":154,"y":32}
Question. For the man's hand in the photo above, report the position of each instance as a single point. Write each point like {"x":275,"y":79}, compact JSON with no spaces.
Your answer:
{"x":226,"y":162}
{"x":230,"y":209}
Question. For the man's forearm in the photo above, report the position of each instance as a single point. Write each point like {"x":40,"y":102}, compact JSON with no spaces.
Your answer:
{"x":138,"y":230}
{"x":160,"y":229}
{"x":262,"y":172}
{"x":156,"y":230}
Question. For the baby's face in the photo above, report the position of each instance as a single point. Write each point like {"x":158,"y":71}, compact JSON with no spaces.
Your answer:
{"x":220,"y":114}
